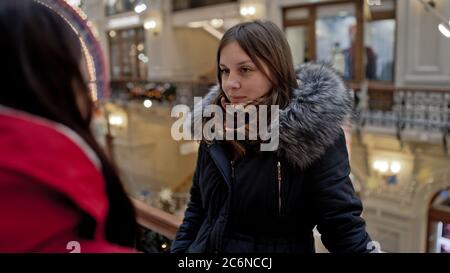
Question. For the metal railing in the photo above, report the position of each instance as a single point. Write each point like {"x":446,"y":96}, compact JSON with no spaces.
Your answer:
{"x":156,"y":219}
{"x":190,"y":4}
{"x":403,"y":109}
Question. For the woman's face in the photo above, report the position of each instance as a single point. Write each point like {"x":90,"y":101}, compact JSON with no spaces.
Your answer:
{"x":242,"y":81}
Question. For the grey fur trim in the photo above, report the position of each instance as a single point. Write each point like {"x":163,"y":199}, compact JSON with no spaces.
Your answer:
{"x":313,"y":120}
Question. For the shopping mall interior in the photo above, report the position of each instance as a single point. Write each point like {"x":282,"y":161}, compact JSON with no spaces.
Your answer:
{"x":145,"y":56}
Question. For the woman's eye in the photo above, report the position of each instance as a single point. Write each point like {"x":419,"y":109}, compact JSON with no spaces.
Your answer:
{"x":245,"y":70}
{"x":224,"y":71}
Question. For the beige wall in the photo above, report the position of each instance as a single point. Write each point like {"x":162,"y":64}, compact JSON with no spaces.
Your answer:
{"x":396,"y":215}
{"x":197,"y":52}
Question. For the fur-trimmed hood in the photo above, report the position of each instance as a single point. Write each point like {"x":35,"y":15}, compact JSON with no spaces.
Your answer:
{"x":314,"y":118}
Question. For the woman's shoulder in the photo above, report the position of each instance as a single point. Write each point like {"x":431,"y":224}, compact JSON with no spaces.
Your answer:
{"x":313,"y":121}
{"x":40,"y":152}
{"x":26,"y":138}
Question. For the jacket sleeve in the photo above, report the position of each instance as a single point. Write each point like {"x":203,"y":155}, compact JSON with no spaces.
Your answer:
{"x":193,"y":216}
{"x":336,"y":208}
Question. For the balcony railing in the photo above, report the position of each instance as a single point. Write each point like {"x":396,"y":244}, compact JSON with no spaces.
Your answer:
{"x":173,"y":92}
{"x":403,"y":110}
{"x":158,"y":228}
{"x":156,"y":220}
{"x":190,"y":4}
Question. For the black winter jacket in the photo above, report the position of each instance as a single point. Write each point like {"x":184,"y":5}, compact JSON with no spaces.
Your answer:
{"x":270,"y":202}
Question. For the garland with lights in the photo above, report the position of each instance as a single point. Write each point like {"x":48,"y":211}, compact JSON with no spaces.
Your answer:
{"x":162,"y":92}
{"x":97,"y":69}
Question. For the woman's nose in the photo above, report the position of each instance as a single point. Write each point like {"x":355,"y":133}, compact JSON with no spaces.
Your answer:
{"x":233,"y":83}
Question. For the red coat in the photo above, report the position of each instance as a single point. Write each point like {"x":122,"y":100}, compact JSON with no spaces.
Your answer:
{"x":49,"y":179}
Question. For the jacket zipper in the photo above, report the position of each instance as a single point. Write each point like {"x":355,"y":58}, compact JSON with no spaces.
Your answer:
{"x":232,"y":169}
{"x":220,"y":239}
{"x":279,"y":186}
{"x":219,"y":242}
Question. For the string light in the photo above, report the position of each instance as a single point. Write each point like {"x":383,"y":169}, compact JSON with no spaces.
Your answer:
{"x":88,"y":35}
{"x":91,"y":70}
{"x":444,"y":30}
{"x":444,"y":26}
{"x":148,"y":103}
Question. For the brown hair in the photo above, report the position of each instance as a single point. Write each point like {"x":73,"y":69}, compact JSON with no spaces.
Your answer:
{"x":43,"y":77}
{"x":264,"y":42}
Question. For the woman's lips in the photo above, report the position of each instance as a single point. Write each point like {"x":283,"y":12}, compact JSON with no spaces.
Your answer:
{"x":236,"y":99}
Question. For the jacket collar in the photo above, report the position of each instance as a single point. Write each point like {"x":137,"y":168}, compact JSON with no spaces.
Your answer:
{"x":314,"y":118}
{"x":52,"y":125}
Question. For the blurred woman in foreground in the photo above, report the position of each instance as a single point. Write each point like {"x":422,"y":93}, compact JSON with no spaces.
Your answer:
{"x":58,"y":190}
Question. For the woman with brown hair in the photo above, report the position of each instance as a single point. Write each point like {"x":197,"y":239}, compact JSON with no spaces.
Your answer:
{"x":247,"y":200}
